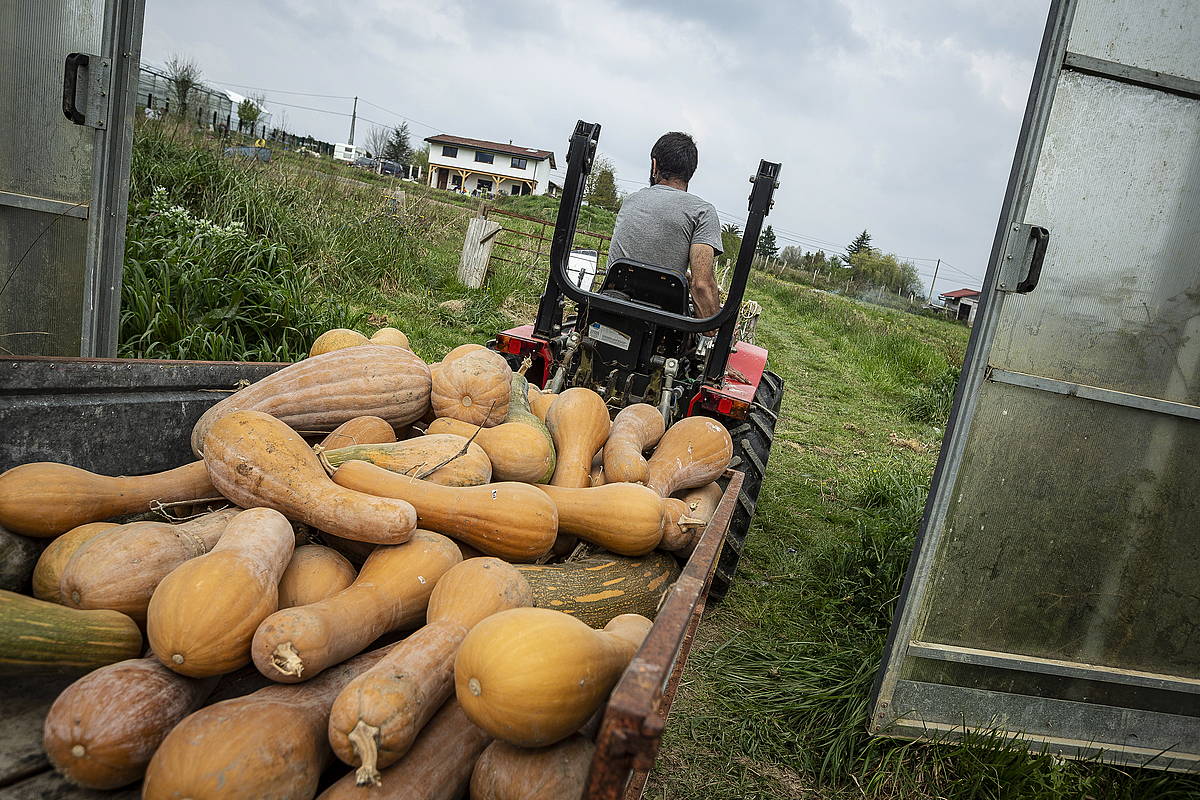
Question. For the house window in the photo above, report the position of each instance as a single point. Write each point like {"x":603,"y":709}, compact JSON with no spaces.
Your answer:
{"x":449,"y":151}
{"x":516,"y":188}
{"x":519,"y":163}
{"x":484,"y":158}
{"x":456,"y":181}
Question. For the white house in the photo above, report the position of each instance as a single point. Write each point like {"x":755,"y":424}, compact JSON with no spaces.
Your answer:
{"x":474,"y":166}
{"x":262,"y":123}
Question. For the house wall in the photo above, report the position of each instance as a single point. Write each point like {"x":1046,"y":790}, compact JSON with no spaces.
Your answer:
{"x":501,"y":165}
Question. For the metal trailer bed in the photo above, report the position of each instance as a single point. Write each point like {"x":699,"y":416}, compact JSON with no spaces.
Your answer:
{"x":122,"y":416}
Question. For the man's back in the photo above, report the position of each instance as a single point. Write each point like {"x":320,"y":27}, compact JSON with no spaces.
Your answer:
{"x":659,"y":224}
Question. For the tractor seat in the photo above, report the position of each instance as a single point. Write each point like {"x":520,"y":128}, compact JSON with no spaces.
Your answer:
{"x":647,"y":285}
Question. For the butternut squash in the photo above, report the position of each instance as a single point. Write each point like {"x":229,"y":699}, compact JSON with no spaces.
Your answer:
{"x":597,"y":588}
{"x":313,"y":574}
{"x":532,"y":677}
{"x":474,"y":388}
{"x":540,"y":404}
{"x":268,"y":745}
{"x":203,"y":615}
{"x":257,"y":461}
{"x":392,"y":336}
{"x":597,"y":476}
{"x":463,"y":464}
{"x":390,"y":593}
{"x":360,"y":430}
{"x":36,"y":636}
{"x":511,"y":520}
{"x":695,"y":451}
{"x":557,"y":772}
{"x":121,"y":568}
{"x":102,"y":730}
{"x":680,"y":531}
{"x":517,"y":452}
{"x":702,"y":502}
{"x":636,"y":429}
{"x":578,"y":421}
{"x":322,"y":392}
{"x":622,"y":517}
{"x":376,"y":718}
{"x":45,"y":499}
{"x":520,"y":412}
{"x":49,"y":567}
{"x":438,"y":767}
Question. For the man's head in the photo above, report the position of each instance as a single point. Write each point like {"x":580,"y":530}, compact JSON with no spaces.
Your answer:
{"x":673,"y":159}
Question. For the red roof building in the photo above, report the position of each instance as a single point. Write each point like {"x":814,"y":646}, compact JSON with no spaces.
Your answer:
{"x":961,"y":304}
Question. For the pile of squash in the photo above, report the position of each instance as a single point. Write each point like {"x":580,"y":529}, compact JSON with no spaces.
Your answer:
{"x":463,"y":650}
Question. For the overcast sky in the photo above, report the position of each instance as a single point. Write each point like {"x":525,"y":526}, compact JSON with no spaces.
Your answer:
{"x":897,"y":117}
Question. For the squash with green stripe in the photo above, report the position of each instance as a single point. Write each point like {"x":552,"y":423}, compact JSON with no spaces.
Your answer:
{"x":37,"y":636}
{"x":600,"y":587}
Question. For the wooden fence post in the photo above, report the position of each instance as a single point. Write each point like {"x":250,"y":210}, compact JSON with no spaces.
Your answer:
{"x":477,"y":251}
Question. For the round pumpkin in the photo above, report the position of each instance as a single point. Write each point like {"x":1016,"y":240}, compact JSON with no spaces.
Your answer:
{"x":475,"y":389}
{"x":392,"y":336}
{"x":337,"y":339}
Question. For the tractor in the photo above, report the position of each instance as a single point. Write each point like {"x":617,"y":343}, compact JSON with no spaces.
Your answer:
{"x":634,"y":340}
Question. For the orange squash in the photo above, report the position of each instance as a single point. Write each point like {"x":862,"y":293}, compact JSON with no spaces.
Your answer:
{"x":597,"y":588}
{"x":102,"y":730}
{"x":557,"y":772}
{"x":699,"y":505}
{"x":702,"y":501}
{"x":636,"y":429}
{"x":360,"y":430}
{"x":48,"y":570}
{"x":622,"y":517}
{"x":578,"y":421}
{"x":540,"y":403}
{"x":45,"y":499}
{"x":516,"y":452}
{"x":336,"y":339}
{"x":378,"y":715}
{"x":121,"y":568}
{"x":474,"y":388}
{"x":680,"y":530}
{"x":464,"y":350}
{"x":257,"y":461}
{"x":463,"y":464}
{"x":269,"y":744}
{"x":313,"y":574}
{"x":532,"y":677}
{"x":322,"y":392}
{"x":438,"y":767}
{"x":203,"y":615}
{"x":695,"y":451}
{"x":511,"y":520}
{"x":392,"y":336}
{"x":390,"y":593}
{"x":597,"y":476}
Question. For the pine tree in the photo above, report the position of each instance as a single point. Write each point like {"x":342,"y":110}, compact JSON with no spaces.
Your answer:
{"x":767,"y":245}
{"x":398,"y":148}
{"x":861,"y":243}
{"x":604,"y":193}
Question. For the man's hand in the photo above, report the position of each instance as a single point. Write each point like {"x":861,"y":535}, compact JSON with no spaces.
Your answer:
{"x":705,"y":294}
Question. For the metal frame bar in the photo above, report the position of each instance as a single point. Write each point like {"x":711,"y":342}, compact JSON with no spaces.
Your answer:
{"x":34,"y":203}
{"x":1136,"y":76}
{"x":1097,"y":393}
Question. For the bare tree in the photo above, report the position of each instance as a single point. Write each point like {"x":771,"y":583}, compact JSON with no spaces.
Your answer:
{"x":377,"y":141}
{"x":184,"y":75}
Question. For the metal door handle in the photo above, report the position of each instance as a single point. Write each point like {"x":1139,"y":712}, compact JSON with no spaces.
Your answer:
{"x":71,"y":84}
{"x":1021,"y":268}
{"x":1041,"y":238}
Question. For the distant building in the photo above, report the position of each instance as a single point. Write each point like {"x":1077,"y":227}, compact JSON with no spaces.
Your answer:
{"x":474,"y":166}
{"x":261,"y":123}
{"x":961,"y":304}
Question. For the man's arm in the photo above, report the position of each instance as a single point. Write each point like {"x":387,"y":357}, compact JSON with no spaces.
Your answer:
{"x":705,"y":294}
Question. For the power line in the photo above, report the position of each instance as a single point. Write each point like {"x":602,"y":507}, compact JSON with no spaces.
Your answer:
{"x":401,"y":116}
{"x":282,"y":91}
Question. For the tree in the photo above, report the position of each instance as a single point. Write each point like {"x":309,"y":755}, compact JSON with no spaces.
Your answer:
{"x":599,"y":164}
{"x":793,"y":256}
{"x":249,"y":110}
{"x":604,"y":193}
{"x":767,"y":245}
{"x":398,"y":148}
{"x":731,"y":240}
{"x":860,"y":243}
{"x":377,"y":141}
{"x":184,"y":75}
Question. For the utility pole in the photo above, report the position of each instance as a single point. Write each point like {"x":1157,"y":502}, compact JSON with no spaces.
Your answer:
{"x":353,"y":119}
{"x":934,"y":281}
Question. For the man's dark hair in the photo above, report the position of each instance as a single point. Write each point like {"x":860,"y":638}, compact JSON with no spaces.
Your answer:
{"x":676,"y":156}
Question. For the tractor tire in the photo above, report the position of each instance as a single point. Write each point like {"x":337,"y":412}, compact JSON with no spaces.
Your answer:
{"x":752,"y":441}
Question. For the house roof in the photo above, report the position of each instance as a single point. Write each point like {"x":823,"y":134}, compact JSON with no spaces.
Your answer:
{"x":533,"y":154}
{"x":958,"y":294}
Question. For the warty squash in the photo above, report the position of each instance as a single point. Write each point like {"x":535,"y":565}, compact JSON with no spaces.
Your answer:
{"x":511,"y":520}
{"x":597,"y":588}
{"x":269,"y":745}
{"x":532,"y":677}
{"x":313,"y":574}
{"x":48,"y":570}
{"x":203,"y":615}
{"x":516,"y":452}
{"x":693,"y":452}
{"x":378,"y":715}
{"x":462,"y":463}
{"x":474,"y":388}
{"x":392,"y":336}
{"x":360,"y":430}
{"x":635,"y":429}
{"x":45,"y":499}
{"x":625,"y":518}
{"x":557,"y":772}
{"x":257,"y":461}
{"x":390,"y":593}
{"x":322,"y":392}
{"x":102,"y":730}
{"x":578,"y":421}
{"x":120,"y":568}
{"x":438,"y":767}
{"x":36,"y":636}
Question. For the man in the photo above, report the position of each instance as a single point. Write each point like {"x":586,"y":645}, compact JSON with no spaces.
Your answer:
{"x":666,"y":226}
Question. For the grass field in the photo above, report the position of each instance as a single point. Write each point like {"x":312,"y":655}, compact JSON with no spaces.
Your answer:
{"x":227,"y":259}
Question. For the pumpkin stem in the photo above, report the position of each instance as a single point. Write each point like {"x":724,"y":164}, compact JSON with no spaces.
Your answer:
{"x":686,"y":522}
{"x":363,"y":740}
{"x":525,"y":365}
{"x":320,"y":451}
{"x":287,"y":660}
{"x":160,"y":508}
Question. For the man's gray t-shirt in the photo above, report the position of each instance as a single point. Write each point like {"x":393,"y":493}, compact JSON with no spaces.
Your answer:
{"x":659,"y":224}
